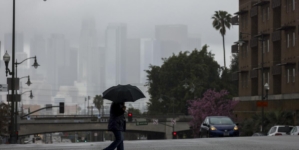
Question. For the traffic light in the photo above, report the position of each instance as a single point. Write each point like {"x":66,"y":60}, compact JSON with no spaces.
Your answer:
{"x":174,"y":135}
{"x":130,"y":117}
{"x":17,"y":135}
{"x":61,"y":107}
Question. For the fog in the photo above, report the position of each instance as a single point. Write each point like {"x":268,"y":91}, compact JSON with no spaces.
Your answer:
{"x":86,"y":46}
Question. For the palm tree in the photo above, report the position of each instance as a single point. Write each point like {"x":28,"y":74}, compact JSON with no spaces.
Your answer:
{"x":221,"y":21}
{"x":98,"y":102}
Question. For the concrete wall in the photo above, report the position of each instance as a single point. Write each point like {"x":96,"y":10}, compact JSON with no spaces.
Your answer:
{"x":28,"y":127}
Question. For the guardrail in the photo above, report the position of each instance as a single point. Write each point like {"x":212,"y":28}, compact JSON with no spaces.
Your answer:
{"x":149,"y":118}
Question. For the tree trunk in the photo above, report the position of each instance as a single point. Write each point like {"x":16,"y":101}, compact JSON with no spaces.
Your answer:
{"x":224,"y":51}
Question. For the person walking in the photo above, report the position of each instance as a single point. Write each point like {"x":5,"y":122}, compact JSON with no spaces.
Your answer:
{"x":117,"y":124}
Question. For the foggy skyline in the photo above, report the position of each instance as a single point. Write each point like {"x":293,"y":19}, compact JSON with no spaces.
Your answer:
{"x":141,"y":17}
{"x":84,"y":28}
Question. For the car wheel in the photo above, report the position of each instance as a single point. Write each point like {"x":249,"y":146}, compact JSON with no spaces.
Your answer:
{"x":204,"y":135}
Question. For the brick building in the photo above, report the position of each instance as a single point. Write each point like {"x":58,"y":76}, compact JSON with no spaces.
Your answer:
{"x":268,"y":50}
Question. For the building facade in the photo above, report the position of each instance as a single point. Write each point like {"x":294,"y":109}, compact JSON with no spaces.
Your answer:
{"x":268,"y":52}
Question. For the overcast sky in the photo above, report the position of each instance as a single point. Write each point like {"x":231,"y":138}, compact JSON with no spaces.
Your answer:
{"x":141,"y":16}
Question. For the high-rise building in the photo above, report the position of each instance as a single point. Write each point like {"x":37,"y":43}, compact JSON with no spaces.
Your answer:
{"x":132,"y":67}
{"x":73,"y":65}
{"x":87,"y":45}
{"x":19,"y":42}
{"x":268,"y":53}
{"x":38,"y":49}
{"x":150,"y":54}
{"x":58,"y":58}
{"x":173,"y":38}
{"x":89,"y":56}
{"x":116,"y":38}
{"x":193,"y":43}
{"x":102,"y":64}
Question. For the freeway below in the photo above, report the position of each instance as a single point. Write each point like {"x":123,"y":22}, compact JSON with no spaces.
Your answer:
{"x":236,"y":143}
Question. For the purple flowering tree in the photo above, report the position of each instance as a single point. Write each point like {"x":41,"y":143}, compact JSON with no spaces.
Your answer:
{"x":213,"y":103}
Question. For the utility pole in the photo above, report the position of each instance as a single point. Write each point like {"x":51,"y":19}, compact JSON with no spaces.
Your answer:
{"x":88,"y":104}
{"x":262,"y":84}
{"x":85,"y":106}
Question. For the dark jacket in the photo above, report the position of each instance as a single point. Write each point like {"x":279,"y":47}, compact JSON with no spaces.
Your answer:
{"x":117,"y":118}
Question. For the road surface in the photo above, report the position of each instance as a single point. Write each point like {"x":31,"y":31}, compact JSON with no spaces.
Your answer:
{"x":239,"y":143}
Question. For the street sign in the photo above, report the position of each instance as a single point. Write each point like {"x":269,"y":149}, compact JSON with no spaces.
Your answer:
{"x":3,"y":88}
{"x":16,"y":99}
{"x":141,"y":123}
{"x":173,"y":121}
{"x":155,"y":121}
{"x":262,"y":103}
{"x":9,"y":81}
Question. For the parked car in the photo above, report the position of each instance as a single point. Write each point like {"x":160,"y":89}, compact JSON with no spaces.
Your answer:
{"x":295,"y":130}
{"x":218,"y":126}
{"x":258,"y":134}
{"x":38,"y":138}
{"x":279,"y":130}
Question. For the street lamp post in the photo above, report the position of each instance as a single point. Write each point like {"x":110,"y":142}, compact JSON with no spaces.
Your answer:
{"x":266,"y":88}
{"x":88,"y":98}
{"x":35,"y":64}
{"x":14,"y":103}
{"x":85,"y":106}
{"x":28,"y":81}
{"x":30,"y":96}
{"x":13,"y":134}
{"x":262,"y":77}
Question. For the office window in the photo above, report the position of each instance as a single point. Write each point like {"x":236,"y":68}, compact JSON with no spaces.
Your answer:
{"x":289,"y":5}
{"x":264,"y":46}
{"x":247,"y":50}
{"x":268,"y":45}
{"x":294,"y":39}
{"x":268,"y":13}
{"x":288,"y":40}
{"x":244,"y":80}
{"x":288,"y":75}
{"x":266,"y":76}
{"x":294,"y":74}
{"x":244,"y":20}
{"x":264,"y":14}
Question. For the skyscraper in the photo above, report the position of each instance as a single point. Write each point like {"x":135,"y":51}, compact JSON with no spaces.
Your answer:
{"x":89,"y":56}
{"x":116,"y":36}
{"x":150,"y":54}
{"x":19,"y":42}
{"x":38,"y":49}
{"x":133,"y":63}
{"x":57,"y":58}
{"x":173,"y":38}
{"x":86,"y":47}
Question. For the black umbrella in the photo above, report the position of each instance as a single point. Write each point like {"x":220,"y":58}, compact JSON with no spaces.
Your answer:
{"x":123,"y":93}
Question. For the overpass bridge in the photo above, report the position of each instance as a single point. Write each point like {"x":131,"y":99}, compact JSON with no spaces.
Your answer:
{"x":59,"y":123}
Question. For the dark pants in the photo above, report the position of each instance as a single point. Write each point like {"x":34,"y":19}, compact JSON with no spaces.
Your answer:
{"x":118,"y":142}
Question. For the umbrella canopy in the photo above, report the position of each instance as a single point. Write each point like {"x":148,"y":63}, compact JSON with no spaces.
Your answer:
{"x":123,"y":93}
